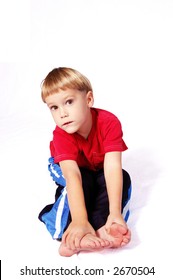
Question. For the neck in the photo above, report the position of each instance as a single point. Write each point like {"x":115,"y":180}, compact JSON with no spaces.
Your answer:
{"x":87,"y":127}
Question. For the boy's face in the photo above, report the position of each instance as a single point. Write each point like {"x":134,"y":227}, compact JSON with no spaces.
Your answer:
{"x":71,"y":110}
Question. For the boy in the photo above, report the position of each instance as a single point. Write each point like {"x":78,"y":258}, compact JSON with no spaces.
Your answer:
{"x":93,"y":190}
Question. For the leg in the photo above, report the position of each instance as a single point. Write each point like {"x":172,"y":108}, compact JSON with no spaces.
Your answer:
{"x":89,"y":242}
{"x":127,"y":189}
{"x":55,"y":216}
{"x":88,"y":185}
{"x":118,"y":234}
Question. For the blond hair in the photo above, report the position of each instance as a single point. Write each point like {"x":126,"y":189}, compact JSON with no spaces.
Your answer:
{"x":63,"y":78}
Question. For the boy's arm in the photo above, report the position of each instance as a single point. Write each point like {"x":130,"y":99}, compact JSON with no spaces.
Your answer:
{"x":79,"y":225}
{"x":114,"y":183}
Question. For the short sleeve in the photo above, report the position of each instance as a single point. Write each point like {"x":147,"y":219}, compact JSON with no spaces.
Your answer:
{"x":113,"y":135}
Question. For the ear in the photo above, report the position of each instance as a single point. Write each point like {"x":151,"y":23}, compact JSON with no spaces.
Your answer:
{"x":90,"y":98}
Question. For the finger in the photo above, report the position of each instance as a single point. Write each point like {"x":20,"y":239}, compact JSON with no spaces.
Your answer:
{"x":128,"y":234}
{"x":77,"y":241}
{"x":107,"y":226}
{"x":64,"y":237}
{"x":96,"y":241}
{"x":71,"y":244}
{"x":70,"y":241}
{"x":73,"y":241}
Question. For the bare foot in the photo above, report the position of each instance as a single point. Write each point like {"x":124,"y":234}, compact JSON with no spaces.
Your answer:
{"x":117,"y":229}
{"x":88,"y":243}
{"x":118,"y":235}
{"x":65,"y":251}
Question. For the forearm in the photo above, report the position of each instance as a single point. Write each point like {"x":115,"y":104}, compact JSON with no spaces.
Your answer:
{"x":114,"y":181}
{"x":114,"y":188}
{"x":76,"y":199}
{"x":75,"y":193}
{"x":79,"y":225}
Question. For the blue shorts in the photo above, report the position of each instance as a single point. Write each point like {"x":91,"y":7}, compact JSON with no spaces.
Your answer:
{"x":57,"y":216}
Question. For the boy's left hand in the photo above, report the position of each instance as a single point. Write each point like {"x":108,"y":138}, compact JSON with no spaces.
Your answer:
{"x":116,"y":228}
{"x":112,"y":219}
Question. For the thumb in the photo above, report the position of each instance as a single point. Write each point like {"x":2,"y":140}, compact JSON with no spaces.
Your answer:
{"x":64,"y":236}
{"x":108,"y":225}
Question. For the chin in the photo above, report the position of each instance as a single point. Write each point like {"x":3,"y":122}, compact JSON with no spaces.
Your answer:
{"x":70,"y":131}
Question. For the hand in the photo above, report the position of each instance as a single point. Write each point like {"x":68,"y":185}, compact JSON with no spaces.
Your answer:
{"x":75,"y":232}
{"x":116,"y":218}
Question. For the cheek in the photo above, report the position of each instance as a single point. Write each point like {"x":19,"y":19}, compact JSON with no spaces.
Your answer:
{"x":83,"y":109}
{"x":81,"y":114}
{"x":55,"y":117}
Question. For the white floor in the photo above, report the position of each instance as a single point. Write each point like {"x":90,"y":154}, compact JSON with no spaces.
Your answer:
{"x":143,"y":88}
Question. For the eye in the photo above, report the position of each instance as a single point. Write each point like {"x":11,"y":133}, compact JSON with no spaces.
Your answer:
{"x":69,"y":102}
{"x":53,"y":108}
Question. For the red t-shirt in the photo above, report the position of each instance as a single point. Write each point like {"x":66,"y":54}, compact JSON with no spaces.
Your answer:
{"x":105,"y":136}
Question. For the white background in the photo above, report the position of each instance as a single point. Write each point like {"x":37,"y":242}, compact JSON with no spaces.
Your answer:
{"x":125,"y":49}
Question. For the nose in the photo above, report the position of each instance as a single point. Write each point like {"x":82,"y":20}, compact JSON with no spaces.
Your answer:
{"x":63,"y":113}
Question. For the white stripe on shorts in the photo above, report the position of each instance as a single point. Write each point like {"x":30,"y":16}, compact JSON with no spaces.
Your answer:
{"x":59,"y":214}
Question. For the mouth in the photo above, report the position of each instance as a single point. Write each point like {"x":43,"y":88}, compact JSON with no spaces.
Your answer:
{"x":67,"y":123}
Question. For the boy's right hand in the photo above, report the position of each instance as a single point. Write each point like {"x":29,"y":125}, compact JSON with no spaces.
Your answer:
{"x":75,"y":232}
